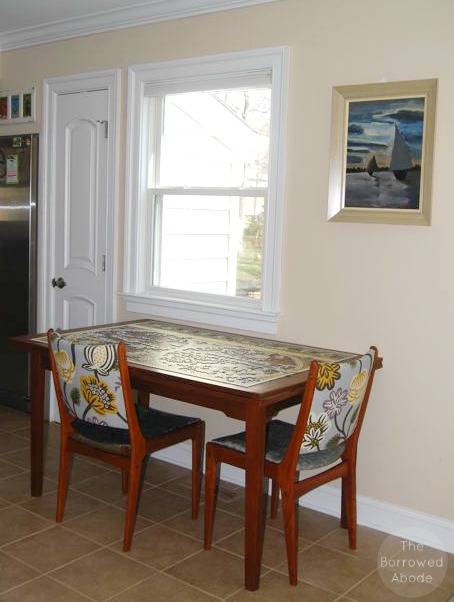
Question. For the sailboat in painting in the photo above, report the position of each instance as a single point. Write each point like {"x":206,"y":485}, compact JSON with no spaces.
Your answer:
{"x":401,"y":160}
{"x":372,"y":166}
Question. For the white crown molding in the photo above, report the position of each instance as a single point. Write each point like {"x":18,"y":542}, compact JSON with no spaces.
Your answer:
{"x":151,"y":12}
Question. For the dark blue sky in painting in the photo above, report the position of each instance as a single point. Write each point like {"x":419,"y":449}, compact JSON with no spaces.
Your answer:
{"x":371,"y":129}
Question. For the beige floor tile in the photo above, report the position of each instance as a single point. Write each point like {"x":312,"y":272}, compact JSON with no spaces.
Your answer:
{"x":8,"y":470}
{"x":56,"y":546}
{"x":83,"y":470}
{"x":274,"y":587}
{"x":373,"y":589}
{"x":159,"y":472}
{"x":159,"y":505}
{"x":181,"y":486}
{"x":80,"y":471}
{"x":274,"y":553}
{"x":184,"y":524}
{"x":104,"y":525}
{"x":102,"y":575}
{"x":441,"y":572}
{"x":14,"y":573}
{"x":160,"y":547}
{"x":16,"y":489}
{"x":16,"y":522}
{"x":42,"y":590}
{"x":163,"y":588}
{"x":76,"y":505}
{"x":225,"y":524}
{"x":13,"y":421}
{"x":368,"y":542}
{"x":19,"y":457}
{"x":214,"y":571}
{"x":11,"y":442}
{"x":313,"y":525}
{"x":330,"y":570}
{"x":105,"y":487}
{"x":231,"y":498}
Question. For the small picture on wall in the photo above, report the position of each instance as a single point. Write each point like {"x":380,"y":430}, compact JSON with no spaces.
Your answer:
{"x":382,"y":148}
{"x":17,"y":107}
{"x":3,"y":107}
{"x":27,"y":104}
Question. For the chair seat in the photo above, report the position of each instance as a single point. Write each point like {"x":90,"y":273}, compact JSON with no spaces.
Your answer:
{"x":278,"y":438}
{"x":152,"y":422}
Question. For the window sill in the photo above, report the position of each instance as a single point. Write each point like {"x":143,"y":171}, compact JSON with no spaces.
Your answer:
{"x":250,"y":319}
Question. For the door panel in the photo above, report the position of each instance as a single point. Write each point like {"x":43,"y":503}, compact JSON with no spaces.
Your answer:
{"x":78,"y":311}
{"x":80,"y":199}
{"x":80,"y":211}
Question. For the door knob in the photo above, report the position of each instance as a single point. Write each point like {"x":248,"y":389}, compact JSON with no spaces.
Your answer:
{"x":59,"y":282}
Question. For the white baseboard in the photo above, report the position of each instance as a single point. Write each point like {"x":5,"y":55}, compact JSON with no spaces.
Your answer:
{"x":395,"y":520}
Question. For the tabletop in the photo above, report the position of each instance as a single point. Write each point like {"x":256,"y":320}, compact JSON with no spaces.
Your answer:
{"x":198,"y":353}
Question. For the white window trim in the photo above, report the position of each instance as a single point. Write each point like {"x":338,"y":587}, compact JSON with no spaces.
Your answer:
{"x":248,"y":314}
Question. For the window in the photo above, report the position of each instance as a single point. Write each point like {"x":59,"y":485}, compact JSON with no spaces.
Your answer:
{"x":204,"y":196}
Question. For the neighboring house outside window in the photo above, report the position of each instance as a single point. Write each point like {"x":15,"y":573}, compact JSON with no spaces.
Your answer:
{"x":204,"y":200}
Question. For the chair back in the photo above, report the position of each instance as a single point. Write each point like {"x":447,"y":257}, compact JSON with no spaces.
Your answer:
{"x":89,"y":381}
{"x":332,"y":409}
{"x":338,"y":402}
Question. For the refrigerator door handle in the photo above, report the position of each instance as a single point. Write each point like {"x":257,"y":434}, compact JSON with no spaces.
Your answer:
{"x":59,"y":282}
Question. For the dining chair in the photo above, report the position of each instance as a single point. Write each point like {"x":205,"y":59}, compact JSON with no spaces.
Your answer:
{"x":324,"y":438}
{"x":100,"y":419}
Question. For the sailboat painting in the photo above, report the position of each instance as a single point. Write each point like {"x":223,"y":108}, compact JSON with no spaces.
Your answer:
{"x":384,"y":140}
{"x":384,"y":149}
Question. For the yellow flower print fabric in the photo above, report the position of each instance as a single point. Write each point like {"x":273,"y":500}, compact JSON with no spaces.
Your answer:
{"x":336,"y":403}
{"x":90,"y":381}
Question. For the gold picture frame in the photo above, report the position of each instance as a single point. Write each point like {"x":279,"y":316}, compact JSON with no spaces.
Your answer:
{"x":382,"y":145}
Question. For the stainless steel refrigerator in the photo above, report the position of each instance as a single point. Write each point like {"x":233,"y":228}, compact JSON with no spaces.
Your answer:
{"x":18,"y":238}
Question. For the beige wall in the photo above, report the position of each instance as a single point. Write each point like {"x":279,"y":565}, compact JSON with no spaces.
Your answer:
{"x":344,"y":285}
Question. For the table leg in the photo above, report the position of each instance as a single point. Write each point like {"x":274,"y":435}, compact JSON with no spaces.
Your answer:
{"x":37,"y":386}
{"x":143,"y":398}
{"x":255,"y":502}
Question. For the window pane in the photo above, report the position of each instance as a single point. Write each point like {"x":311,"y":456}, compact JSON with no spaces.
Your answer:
{"x":210,"y":244}
{"x":215,"y":139}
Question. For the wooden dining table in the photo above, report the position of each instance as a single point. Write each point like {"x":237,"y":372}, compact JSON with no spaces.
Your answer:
{"x":247,"y":378}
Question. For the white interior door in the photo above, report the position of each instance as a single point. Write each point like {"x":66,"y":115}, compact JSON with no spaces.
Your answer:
{"x":77,"y":200}
{"x":79,"y":281}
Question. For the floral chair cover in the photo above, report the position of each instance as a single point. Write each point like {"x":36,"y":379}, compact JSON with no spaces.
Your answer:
{"x":90,"y":382}
{"x":336,"y":403}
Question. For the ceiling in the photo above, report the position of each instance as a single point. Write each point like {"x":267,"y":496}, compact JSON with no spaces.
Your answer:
{"x":30,"y":22}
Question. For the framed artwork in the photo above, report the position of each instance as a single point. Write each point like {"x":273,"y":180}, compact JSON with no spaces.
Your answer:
{"x":382,"y":142}
{"x":17,"y":107}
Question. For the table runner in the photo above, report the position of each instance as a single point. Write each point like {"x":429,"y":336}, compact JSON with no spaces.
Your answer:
{"x":221,"y":357}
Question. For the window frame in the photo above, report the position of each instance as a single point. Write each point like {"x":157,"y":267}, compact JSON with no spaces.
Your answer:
{"x":256,"y":315}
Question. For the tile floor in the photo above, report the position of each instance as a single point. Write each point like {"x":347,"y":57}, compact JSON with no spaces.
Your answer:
{"x":81,"y":559}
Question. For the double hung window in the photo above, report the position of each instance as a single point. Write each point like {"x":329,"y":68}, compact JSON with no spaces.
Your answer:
{"x":204,"y":189}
